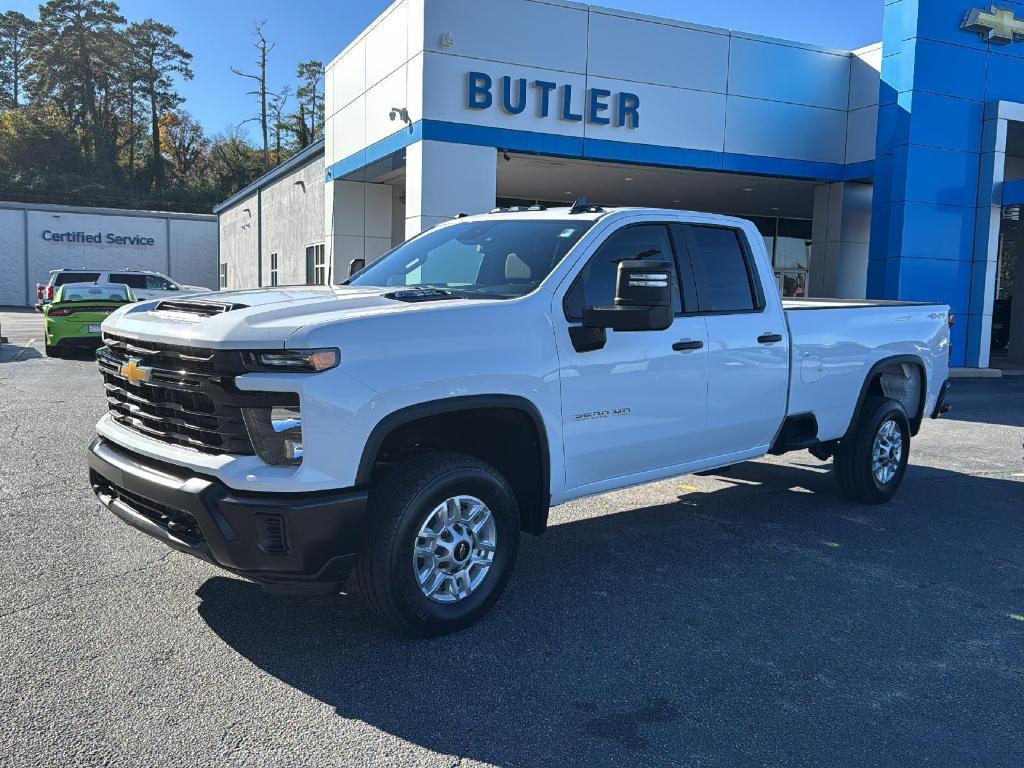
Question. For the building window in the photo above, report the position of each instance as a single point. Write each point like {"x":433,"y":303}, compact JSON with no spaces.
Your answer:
{"x":789,"y":245}
{"x":273,"y":269}
{"x":793,"y":256}
{"x":316,"y":265}
{"x":223,"y":275}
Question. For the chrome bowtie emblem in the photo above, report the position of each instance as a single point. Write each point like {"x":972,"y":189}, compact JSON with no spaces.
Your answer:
{"x":996,"y":25}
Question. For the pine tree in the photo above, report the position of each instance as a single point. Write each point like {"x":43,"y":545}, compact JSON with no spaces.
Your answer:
{"x":158,"y":57}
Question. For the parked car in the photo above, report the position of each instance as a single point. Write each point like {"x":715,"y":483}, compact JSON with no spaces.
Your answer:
{"x":74,"y":316}
{"x":144,"y":284}
{"x":410,"y":424}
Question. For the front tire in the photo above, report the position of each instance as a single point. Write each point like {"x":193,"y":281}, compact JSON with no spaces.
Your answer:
{"x":870,"y":463}
{"x":441,"y":544}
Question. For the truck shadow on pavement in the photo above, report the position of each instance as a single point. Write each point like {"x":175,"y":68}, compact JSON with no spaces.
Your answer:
{"x":767,"y":621}
{"x":15,"y":353}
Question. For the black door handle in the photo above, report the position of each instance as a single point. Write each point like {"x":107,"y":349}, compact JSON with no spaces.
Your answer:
{"x":769,"y":338}
{"x":682,"y":346}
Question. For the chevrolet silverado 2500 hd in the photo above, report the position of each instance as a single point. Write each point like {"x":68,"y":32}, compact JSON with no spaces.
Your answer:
{"x":408,"y":425}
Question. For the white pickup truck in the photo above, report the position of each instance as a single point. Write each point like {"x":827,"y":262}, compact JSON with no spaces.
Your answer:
{"x":408,"y":425}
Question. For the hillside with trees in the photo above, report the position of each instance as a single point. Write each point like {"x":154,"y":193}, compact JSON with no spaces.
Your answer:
{"x":90,"y":113}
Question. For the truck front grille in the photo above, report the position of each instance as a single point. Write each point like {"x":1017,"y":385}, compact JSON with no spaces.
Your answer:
{"x":180,"y":395}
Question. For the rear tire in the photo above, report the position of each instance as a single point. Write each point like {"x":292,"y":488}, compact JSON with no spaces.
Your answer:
{"x":53,"y":351}
{"x":870,"y":462}
{"x":423,"y":566}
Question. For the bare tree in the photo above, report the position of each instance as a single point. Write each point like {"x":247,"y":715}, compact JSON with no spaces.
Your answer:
{"x":263,"y":47}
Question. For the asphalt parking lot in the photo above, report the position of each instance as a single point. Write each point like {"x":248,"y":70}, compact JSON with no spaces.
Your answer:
{"x":751,"y":618}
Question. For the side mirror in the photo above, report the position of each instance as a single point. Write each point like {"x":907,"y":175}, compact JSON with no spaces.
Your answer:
{"x":355,"y":266}
{"x":643,"y":299}
{"x":173,"y":287}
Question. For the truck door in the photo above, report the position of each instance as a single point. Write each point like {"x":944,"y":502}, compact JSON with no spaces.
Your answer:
{"x":748,"y":362}
{"x":639,"y":403}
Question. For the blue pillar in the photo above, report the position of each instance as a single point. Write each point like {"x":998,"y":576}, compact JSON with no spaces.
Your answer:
{"x":935,"y":188}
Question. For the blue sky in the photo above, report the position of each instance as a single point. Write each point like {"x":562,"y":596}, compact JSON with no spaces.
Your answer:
{"x":218,"y":32}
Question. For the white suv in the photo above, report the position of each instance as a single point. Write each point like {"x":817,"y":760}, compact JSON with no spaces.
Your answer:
{"x":144,"y":284}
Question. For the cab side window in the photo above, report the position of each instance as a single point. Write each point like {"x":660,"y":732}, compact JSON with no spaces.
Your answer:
{"x":726,"y":280}
{"x":595,"y":285}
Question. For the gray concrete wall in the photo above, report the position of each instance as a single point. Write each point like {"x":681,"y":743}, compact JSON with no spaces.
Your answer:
{"x":293,"y":218}
{"x":839,"y":250}
{"x":284,"y":216}
{"x":238,"y":239}
{"x":182,"y":246}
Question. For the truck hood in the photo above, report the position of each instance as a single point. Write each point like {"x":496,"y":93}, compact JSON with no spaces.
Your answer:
{"x":261,"y":318}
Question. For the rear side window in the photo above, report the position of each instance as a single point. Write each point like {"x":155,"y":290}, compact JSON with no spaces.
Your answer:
{"x":132,"y":280}
{"x":722,"y":268}
{"x":75,"y":277}
{"x":595,"y":285}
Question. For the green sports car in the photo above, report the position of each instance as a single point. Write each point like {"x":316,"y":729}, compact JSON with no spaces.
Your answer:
{"x":73,"y":318}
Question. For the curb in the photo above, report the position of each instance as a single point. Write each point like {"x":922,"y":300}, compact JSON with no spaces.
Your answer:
{"x":975,"y":373}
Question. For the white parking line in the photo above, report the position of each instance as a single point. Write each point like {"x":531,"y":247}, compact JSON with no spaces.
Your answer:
{"x":22,"y":351}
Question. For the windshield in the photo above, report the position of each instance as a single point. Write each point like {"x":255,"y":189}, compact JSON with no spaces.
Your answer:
{"x":90,"y":292}
{"x":480,"y":259}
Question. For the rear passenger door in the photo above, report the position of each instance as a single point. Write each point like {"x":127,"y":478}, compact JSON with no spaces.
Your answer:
{"x":748,"y":365}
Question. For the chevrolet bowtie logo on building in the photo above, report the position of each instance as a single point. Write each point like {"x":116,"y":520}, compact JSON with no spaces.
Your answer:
{"x":135,"y":372}
{"x":997,"y":25}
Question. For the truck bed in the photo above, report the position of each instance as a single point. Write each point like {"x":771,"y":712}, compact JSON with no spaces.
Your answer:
{"x":834,"y":347}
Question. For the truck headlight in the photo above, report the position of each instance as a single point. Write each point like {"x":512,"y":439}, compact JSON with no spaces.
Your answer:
{"x":276,"y":433}
{"x":308,"y":360}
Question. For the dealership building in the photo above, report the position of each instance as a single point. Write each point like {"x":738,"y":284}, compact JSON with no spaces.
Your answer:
{"x":35,"y":239}
{"x":892,"y":171}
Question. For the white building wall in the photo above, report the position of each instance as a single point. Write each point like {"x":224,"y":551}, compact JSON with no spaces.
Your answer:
{"x":183,"y":247}
{"x":13,"y":283}
{"x":724,"y":96}
{"x":719,"y":91}
{"x":444,"y":179}
{"x":378,"y":71}
{"x":358,"y":224}
{"x":862,"y":123}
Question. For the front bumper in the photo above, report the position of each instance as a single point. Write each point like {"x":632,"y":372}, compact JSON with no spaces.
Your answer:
{"x":294,"y":543}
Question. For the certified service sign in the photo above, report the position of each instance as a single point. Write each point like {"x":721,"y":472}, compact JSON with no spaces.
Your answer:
{"x":996,"y":25}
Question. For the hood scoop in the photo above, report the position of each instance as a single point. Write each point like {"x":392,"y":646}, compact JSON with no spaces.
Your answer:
{"x":413,"y":295}
{"x":195,"y":309}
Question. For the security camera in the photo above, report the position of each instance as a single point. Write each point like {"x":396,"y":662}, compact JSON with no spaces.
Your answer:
{"x":397,"y":112}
